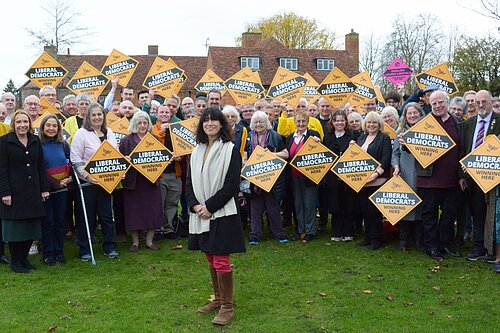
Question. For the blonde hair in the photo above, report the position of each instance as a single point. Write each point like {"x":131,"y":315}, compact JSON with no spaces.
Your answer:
{"x":373,"y":116}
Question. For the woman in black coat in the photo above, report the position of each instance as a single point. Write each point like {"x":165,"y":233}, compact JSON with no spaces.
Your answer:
{"x":378,"y":144}
{"x":342,"y":200}
{"x":212,"y":186}
{"x":23,"y":188}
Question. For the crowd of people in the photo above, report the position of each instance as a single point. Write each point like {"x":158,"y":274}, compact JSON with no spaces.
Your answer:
{"x":207,"y":184}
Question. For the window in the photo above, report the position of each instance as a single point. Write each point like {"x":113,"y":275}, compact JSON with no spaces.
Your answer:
{"x":325,"y":64}
{"x":252,"y":62}
{"x":290,"y":63}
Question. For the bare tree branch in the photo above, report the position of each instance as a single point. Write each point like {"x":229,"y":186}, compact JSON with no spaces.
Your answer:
{"x":62,"y":28}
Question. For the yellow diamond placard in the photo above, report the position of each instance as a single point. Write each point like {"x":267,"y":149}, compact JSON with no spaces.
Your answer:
{"x":150,"y":157}
{"x":336,"y":88}
{"x":46,"y":71}
{"x":310,"y":92}
{"x":365,"y":90}
{"x":313,"y":160}
{"x":262,"y":94}
{"x":380,"y":99}
{"x":427,"y":140}
{"x":120,"y":66}
{"x":120,"y":129}
{"x":395,"y":199}
{"x":163,"y":76}
{"x":210,"y":80}
{"x":107,"y":166}
{"x":183,"y":134}
{"x":111,"y":118}
{"x":244,"y":86}
{"x":179,"y":85}
{"x":38,"y":121}
{"x":88,"y":80}
{"x":437,"y":76}
{"x":355,"y":166}
{"x":389,"y":131}
{"x":46,"y":106}
{"x":483,"y":164}
{"x":263,"y":168}
{"x":287,"y":85}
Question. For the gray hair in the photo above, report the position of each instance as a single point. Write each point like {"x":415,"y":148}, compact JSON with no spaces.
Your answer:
{"x":355,"y":115}
{"x":135,"y":119}
{"x":460,"y":101}
{"x":66,"y":98}
{"x":391,"y":109}
{"x":229,"y":108}
{"x":83,"y":97}
{"x":302,"y":99}
{"x":8,"y":93}
{"x":260,"y":115}
{"x":445,"y":94}
{"x":46,"y":89}
{"x":188,"y":111}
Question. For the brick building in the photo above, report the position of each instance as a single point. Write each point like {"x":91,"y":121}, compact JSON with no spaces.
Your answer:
{"x":263,"y":55}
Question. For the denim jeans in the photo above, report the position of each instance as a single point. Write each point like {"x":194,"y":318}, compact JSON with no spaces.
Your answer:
{"x":53,"y":230}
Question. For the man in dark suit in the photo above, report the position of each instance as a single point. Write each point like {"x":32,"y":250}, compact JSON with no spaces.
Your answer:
{"x":475,"y":131}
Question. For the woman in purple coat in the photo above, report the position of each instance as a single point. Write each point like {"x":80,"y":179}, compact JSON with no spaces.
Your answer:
{"x":142,"y":199}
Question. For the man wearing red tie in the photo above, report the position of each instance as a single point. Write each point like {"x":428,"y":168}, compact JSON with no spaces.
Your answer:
{"x":475,"y":131}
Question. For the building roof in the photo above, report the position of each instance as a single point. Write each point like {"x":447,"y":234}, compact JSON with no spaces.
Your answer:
{"x":194,"y":67}
{"x":225,"y":61}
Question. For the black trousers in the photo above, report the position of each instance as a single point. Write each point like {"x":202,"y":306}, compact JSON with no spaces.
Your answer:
{"x":2,"y":244}
{"x":438,"y":229}
{"x":371,"y":215}
{"x":342,"y":210}
{"x":477,"y":204}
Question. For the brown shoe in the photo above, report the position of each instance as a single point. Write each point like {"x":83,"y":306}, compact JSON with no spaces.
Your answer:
{"x":215,"y":303}
{"x":134,"y":248}
{"x":152,"y":247}
{"x":226,"y":312}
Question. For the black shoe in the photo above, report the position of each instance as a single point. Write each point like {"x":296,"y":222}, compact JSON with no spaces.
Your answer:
{"x":61,"y":260}
{"x":296,"y":236}
{"x":490,"y":260}
{"x":18,"y":267}
{"x":308,"y":238}
{"x":451,"y":252}
{"x":26,"y":264}
{"x":5,"y":260}
{"x":375,"y":245}
{"x":49,"y":261}
{"x":433,"y":254}
{"x":496,"y":267}
{"x":158,"y":237}
{"x":475,"y":255}
{"x":172,"y":236}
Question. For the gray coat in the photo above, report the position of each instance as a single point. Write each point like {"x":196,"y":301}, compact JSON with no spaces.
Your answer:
{"x":406,"y":162}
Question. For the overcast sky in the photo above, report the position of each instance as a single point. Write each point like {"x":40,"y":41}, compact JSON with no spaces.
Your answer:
{"x":183,"y":27}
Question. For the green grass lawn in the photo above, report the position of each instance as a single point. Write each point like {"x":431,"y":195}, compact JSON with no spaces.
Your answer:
{"x":314,"y":287}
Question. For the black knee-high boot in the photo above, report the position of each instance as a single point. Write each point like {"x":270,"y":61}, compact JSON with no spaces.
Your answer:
{"x":25,"y":252}
{"x":16,"y":253}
